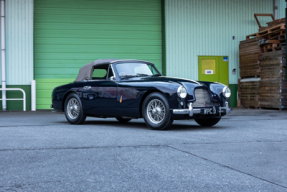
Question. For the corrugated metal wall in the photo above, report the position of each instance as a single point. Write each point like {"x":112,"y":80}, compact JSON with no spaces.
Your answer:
{"x":281,"y":8}
{"x":197,"y":28}
{"x":19,"y":42}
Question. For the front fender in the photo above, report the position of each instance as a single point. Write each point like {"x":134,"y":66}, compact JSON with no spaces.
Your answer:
{"x":168,"y":89}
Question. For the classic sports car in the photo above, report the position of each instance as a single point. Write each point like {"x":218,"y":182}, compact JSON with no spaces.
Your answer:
{"x":127,"y":89}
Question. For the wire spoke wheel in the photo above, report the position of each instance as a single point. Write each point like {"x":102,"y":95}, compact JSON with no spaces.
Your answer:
{"x":156,"y":111}
{"x":73,"y":108}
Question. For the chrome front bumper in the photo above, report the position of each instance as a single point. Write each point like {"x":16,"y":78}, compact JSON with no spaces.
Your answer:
{"x":206,"y":111}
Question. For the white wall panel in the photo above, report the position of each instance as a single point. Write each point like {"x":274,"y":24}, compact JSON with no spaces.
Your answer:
{"x":19,"y":42}
{"x":205,"y":28}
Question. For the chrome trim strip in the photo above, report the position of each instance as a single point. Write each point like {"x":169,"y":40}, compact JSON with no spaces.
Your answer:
{"x":112,"y":67}
{"x":120,"y":60}
{"x":224,"y":109}
{"x":191,"y":111}
{"x":190,"y":108}
{"x":181,"y":111}
{"x":196,"y":111}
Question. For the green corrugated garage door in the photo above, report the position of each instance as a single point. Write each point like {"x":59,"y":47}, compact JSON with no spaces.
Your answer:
{"x":71,"y":33}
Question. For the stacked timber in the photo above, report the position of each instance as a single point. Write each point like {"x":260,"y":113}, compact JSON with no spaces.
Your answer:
{"x":262,"y":55}
{"x":270,"y":32}
{"x":248,"y":58}
{"x":275,"y":23}
{"x":276,"y":41}
{"x":272,"y":24}
{"x":248,"y":86}
{"x":249,"y":92}
{"x":273,"y":84}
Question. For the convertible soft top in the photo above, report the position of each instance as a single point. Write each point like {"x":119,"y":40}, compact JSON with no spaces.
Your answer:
{"x":86,"y":71}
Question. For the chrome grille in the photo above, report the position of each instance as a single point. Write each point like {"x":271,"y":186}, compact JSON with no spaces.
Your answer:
{"x":202,"y":98}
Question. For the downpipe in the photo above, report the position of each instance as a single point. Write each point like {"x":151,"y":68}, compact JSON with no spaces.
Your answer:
{"x":275,"y":9}
{"x":3,"y":54}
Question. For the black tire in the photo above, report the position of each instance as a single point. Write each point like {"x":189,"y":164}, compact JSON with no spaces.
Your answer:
{"x":164,"y":121}
{"x":81,"y":117}
{"x":121,"y":120}
{"x":207,"y":122}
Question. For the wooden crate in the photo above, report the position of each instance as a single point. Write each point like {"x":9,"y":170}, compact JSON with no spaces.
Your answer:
{"x":249,"y":93}
{"x":248,"y":58}
{"x":273,"y":84}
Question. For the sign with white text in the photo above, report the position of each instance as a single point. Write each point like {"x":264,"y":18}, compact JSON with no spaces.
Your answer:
{"x":209,"y":72}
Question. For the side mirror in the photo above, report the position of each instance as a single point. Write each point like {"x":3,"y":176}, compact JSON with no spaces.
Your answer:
{"x":112,"y":78}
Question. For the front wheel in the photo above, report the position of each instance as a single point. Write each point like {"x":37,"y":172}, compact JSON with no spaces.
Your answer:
{"x":207,"y":122}
{"x":74,"y":110}
{"x":156,"y":112}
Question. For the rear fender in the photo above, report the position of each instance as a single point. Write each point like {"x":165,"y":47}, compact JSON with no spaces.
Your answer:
{"x":66,"y":95}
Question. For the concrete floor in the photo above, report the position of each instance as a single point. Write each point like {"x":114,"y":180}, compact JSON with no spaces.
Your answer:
{"x":245,"y":151}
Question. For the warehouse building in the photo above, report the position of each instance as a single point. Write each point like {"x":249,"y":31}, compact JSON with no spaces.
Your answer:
{"x":49,"y":40}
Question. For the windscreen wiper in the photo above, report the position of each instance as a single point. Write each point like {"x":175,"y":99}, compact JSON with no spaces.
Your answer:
{"x":127,"y":76}
{"x":137,"y":75}
{"x":141,"y":74}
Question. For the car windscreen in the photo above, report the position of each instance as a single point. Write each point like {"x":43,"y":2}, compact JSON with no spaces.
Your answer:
{"x":134,"y":69}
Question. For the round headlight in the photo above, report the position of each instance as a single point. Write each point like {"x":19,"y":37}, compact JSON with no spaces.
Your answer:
{"x":226,"y":92}
{"x":181,"y":92}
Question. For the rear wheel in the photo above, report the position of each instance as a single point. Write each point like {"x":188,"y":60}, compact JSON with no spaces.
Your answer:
{"x":74,"y":110}
{"x":207,"y":122}
{"x":156,"y":112}
{"x":122,"y":120}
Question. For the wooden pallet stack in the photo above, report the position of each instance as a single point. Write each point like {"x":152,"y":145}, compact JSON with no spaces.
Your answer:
{"x":249,"y":92}
{"x":270,"y":32}
{"x":248,"y":58}
{"x":274,"y":23}
{"x":273,"y":84}
{"x":262,"y":57}
{"x":271,"y":39}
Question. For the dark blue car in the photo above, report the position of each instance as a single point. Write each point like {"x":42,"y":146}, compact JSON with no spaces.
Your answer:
{"x":129,"y":89}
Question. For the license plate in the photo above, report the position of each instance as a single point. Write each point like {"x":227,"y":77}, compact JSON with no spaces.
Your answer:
{"x":210,"y":111}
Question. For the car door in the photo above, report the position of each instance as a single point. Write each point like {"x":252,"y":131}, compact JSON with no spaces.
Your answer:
{"x":99,"y":96}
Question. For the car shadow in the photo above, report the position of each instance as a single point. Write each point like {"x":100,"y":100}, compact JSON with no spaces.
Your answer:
{"x":141,"y":125}
{"x":115,"y":123}
{"x":181,"y":127}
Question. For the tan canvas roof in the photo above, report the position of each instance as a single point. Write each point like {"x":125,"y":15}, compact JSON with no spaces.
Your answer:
{"x":86,"y":71}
